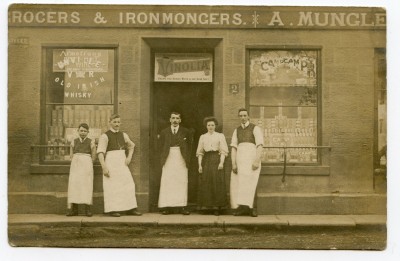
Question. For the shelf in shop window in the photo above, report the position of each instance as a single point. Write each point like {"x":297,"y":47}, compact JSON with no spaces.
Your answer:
{"x":57,"y":168}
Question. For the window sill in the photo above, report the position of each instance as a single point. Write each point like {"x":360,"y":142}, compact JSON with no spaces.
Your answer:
{"x":56,"y":169}
{"x":296,"y":170}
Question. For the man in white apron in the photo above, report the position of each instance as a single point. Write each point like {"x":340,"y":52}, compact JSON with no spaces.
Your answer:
{"x":247,"y":145}
{"x":175,"y":144}
{"x":118,"y":184}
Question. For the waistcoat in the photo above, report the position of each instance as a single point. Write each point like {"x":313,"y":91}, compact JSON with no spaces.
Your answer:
{"x":82,"y":147}
{"x":246,"y":134}
{"x":116,"y":140}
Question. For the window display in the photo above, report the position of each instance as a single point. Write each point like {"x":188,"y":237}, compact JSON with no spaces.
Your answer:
{"x":79,"y":87}
{"x":283,"y":98}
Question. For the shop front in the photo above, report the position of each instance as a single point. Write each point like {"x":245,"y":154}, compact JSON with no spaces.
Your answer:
{"x":312,"y":78}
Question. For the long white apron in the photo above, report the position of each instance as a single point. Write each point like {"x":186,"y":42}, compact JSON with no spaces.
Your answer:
{"x":244,"y":183}
{"x":80,"y":182}
{"x":174,"y":181}
{"x":119,"y":188}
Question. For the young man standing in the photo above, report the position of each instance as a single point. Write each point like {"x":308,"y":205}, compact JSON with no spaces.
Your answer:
{"x":247,"y":145}
{"x":175,"y":144}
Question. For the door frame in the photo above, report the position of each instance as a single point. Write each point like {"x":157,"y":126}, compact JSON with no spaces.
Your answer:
{"x":148,"y":135}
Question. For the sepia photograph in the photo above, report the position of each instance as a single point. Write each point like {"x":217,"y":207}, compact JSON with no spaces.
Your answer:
{"x":234,"y":126}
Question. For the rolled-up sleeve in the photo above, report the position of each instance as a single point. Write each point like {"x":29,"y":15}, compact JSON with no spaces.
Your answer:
{"x":234,"y":141}
{"x":103,"y":142}
{"x":258,"y":135}
{"x":129,"y":144}
{"x":200,"y":146}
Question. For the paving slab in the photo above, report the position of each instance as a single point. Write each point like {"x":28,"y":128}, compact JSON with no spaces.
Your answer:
{"x":173,"y":219}
{"x":199,"y":220}
{"x":245,"y":220}
{"x":318,"y":220}
{"x":146,"y":220}
{"x":369,"y":220}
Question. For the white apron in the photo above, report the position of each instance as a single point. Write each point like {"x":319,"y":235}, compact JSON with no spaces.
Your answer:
{"x":119,"y":188}
{"x":244,"y":183}
{"x":80,"y":182}
{"x":174,"y":181}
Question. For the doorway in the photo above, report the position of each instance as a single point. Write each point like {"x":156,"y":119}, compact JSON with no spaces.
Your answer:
{"x":194,"y":101}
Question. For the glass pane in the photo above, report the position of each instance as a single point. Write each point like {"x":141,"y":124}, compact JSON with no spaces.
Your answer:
{"x":62,"y":122}
{"x":283,"y":68}
{"x":284,"y":96}
{"x":287,"y":127}
{"x":382,"y":111}
{"x":80,"y":76}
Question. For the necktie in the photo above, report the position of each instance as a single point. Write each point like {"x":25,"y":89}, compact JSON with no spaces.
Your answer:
{"x":174,"y":131}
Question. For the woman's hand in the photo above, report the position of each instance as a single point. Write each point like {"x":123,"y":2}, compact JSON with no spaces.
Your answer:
{"x":220,"y":166}
{"x":200,"y":169}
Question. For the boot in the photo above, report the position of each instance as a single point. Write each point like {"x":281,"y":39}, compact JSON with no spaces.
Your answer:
{"x":133,"y":212}
{"x":73,"y":211}
{"x":253,"y":212}
{"x":88,"y":211}
{"x":242,"y":211}
{"x":185,"y":211}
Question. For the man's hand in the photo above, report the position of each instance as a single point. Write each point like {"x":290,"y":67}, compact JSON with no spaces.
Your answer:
{"x":106,"y":173}
{"x":255,"y":165}
{"x":234,"y":168}
{"x":128,"y":161}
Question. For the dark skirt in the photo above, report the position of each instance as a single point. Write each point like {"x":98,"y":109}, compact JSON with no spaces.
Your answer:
{"x":212,"y":189}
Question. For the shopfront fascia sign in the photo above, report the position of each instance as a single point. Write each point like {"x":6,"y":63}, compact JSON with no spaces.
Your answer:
{"x":190,"y":67}
{"x":210,"y":17}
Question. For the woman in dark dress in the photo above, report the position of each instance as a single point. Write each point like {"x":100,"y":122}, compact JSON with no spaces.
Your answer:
{"x":211,"y":153}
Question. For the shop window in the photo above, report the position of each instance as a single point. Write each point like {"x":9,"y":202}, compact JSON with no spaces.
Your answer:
{"x":79,"y":87}
{"x":283,"y":101}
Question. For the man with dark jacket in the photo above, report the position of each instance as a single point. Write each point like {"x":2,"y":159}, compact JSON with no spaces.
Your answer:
{"x":175,"y":144}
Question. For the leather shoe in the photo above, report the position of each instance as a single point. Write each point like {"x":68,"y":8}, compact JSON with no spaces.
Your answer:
{"x":253,"y":212}
{"x":185,"y":212}
{"x":241,"y":212}
{"x":88,"y":212}
{"x":71,"y":213}
{"x":165,"y":212}
{"x":133,"y":212}
{"x":115,"y":214}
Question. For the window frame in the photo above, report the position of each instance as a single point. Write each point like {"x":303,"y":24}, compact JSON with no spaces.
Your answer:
{"x":293,"y":167}
{"x":379,"y":55}
{"x":43,"y":91}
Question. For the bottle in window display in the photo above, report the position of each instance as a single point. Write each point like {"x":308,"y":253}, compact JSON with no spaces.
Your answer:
{"x":51,"y":150}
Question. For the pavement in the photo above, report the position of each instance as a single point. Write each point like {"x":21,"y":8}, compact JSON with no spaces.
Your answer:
{"x":223,"y":221}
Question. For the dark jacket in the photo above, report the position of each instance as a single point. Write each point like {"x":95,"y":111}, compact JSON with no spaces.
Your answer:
{"x":185,"y":139}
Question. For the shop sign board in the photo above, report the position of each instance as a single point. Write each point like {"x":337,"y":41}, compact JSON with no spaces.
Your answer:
{"x":215,"y":17}
{"x":183,"y":67}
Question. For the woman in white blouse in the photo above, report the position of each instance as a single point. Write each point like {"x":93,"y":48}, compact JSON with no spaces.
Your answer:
{"x":211,"y":153}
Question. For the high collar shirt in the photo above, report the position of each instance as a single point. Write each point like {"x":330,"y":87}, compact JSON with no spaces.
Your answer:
{"x":212,"y":142}
{"x":245,"y":125}
{"x":175,"y":128}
